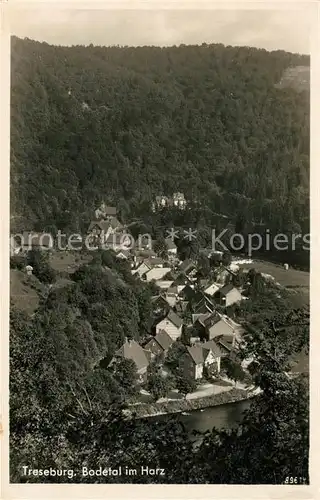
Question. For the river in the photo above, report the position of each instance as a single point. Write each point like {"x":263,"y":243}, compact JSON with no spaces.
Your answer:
{"x":225,"y":416}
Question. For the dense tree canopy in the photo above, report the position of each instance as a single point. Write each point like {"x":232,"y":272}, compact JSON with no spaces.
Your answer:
{"x":126,"y":124}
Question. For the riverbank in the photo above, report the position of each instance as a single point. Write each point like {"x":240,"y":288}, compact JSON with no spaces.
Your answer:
{"x":234,"y":395}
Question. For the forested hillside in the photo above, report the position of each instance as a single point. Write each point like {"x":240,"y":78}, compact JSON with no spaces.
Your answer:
{"x":126,"y":124}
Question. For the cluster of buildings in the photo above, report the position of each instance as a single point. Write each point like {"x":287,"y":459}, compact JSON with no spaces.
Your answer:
{"x":108,"y":230}
{"x":185,"y":303}
{"x":176,"y":200}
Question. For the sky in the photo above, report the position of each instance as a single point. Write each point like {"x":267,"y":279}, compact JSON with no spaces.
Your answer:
{"x":272,"y":28}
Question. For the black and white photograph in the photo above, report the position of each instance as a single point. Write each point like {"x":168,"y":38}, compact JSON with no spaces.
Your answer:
{"x":159,"y":244}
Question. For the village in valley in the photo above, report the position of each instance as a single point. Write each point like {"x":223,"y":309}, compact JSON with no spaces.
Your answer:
{"x":193,"y":346}
{"x":159,"y":248}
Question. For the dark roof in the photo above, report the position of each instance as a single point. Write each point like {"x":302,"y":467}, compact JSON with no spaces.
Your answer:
{"x":186,"y":265}
{"x":143,"y":240}
{"x":174,"y":318}
{"x":225,"y":341}
{"x":212,"y":346}
{"x":159,"y":301}
{"x":203,"y":307}
{"x":132,"y":350}
{"x":190,"y":294}
{"x":212,"y":320}
{"x":202,"y":318}
{"x":172,"y":275}
{"x":181,"y":306}
{"x":196,"y":353}
{"x":216,"y":256}
{"x":172,"y":290}
{"x":164,"y":340}
{"x":181,"y":279}
{"x":154,"y":261}
{"x":226,"y":289}
{"x":203,"y":299}
{"x":187,"y":292}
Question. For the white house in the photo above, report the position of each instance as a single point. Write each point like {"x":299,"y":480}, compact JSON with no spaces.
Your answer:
{"x":172,"y":324}
{"x":200,"y":357}
{"x":141,"y":270}
{"x":156,"y":273}
{"x":179,"y":200}
{"x":171,"y":246}
{"x":228,"y":295}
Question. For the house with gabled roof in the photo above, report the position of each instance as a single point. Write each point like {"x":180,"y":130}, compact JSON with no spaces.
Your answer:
{"x":171,"y":299}
{"x":213,"y":346}
{"x":160,"y":306}
{"x":172,"y":324}
{"x":203,"y":307}
{"x":214,"y":326}
{"x":155,"y":273}
{"x":198,"y":321}
{"x":200,"y":358}
{"x":181,"y":281}
{"x":181,"y":306}
{"x":228,"y":295}
{"x":142,"y":268}
{"x":171,"y":246}
{"x":96,"y":227}
{"x":190,"y":294}
{"x":115,"y":224}
{"x":105,"y":226}
{"x":159,"y":344}
{"x":132,"y":350}
{"x":204,"y":300}
{"x":187,"y":266}
{"x":227,"y":344}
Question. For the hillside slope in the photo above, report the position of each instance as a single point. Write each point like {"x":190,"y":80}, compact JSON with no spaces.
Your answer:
{"x":125,"y":124}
